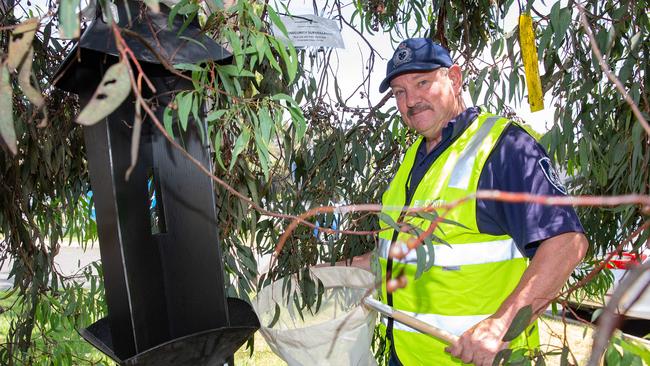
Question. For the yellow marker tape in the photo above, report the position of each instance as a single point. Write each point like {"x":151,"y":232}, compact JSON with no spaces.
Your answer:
{"x":529,"y":56}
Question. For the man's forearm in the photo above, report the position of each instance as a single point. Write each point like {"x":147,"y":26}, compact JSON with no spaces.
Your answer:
{"x":548,"y":271}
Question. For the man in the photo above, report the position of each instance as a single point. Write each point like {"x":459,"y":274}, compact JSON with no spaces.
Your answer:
{"x":498,"y":257}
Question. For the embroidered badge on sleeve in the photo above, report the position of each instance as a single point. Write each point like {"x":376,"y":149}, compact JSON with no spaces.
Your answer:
{"x":551,"y":174}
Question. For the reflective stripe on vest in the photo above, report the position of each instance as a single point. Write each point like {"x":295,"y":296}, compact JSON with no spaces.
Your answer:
{"x":453,"y":324}
{"x":460,"y":254}
{"x":465,"y":164}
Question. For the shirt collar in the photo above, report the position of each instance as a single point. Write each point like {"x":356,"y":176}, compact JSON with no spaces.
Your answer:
{"x":454,"y":128}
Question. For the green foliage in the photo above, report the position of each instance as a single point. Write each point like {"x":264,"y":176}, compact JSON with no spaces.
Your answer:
{"x":40,"y":204}
{"x":595,"y":135}
{"x":628,"y":352}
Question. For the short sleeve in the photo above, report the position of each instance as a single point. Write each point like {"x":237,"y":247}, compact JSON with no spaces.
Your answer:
{"x":518,"y":163}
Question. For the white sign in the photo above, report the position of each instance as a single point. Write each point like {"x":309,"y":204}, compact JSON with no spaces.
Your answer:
{"x":311,"y":31}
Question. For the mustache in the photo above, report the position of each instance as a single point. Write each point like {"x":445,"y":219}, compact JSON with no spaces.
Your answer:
{"x":418,"y":108}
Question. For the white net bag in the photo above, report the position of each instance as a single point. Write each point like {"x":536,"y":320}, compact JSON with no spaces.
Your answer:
{"x":338,"y":333}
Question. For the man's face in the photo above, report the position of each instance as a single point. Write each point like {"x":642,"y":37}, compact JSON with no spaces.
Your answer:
{"x":428,"y":100}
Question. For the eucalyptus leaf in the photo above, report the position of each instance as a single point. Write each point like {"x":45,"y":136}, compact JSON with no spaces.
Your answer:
{"x":261,"y":45}
{"x":235,"y":43}
{"x":114,"y":88}
{"x":431,"y":252}
{"x":281,"y":96}
{"x":192,"y":40}
{"x":240,"y":145}
{"x":519,"y":323}
{"x":276,"y":316}
{"x":562,"y":25}
{"x":218,"y":142}
{"x":277,"y":21}
{"x":266,"y":124}
{"x":154,"y":5}
{"x":184,"y":101}
{"x":69,"y":21}
{"x":555,"y":16}
{"x":421,"y":261}
{"x":33,"y":94}
{"x":21,"y":42}
{"x":634,"y":41}
{"x":271,"y":58}
{"x":502,"y":357}
{"x":215,"y":115}
{"x":189,"y":67}
{"x":612,"y":356}
{"x":388,"y":220}
{"x":168,"y":121}
{"x":429,"y":216}
{"x":299,"y":122}
{"x":175,"y":10}
{"x":7,"y":131}
{"x":292,"y":65}
{"x":263,"y":154}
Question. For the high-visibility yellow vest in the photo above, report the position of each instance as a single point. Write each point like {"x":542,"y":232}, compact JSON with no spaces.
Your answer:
{"x":472,"y":273}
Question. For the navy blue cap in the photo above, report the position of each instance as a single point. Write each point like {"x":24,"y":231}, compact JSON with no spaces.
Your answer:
{"x":415,"y":54}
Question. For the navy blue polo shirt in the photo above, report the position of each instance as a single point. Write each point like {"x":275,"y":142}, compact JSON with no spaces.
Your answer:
{"x":518,"y":163}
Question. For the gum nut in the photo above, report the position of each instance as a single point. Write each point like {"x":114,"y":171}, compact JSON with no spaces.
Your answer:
{"x":645,"y":210}
{"x":392,"y":285}
{"x":396,"y":251}
{"x":412,"y":243}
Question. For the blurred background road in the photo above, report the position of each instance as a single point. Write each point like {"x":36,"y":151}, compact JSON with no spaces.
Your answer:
{"x":69,"y":260}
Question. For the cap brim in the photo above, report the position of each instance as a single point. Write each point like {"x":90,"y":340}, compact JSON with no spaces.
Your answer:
{"x":410,"y":67}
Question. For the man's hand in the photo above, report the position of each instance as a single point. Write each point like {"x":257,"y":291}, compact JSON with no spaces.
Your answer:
{"x":480,"y":343}
{"x":548,"y":271}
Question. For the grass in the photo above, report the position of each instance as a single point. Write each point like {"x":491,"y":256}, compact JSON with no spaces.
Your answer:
{"x":579,"y":339}
{"x":64,"y":347}
{"x":262,"y":355}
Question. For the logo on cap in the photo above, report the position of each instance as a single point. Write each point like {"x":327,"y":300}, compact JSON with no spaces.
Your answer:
{"x":402,"y":55}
